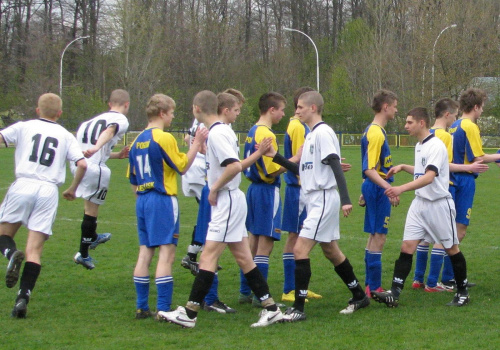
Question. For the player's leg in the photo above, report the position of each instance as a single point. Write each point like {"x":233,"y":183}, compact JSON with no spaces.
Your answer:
{"x":289,"y":267}
{"x":31,"y":271}
{"x":460,"y":270}
{"x":164,"y":279}
{"x":436,"y":264}
{"x":301,"y":251}
{"x":141,"y":281}
{"x":420,"y":265}
{"x":203,"y":218}
{"x":9,"y":250}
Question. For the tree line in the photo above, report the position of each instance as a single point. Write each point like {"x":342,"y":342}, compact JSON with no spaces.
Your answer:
{"x":179,"y":47}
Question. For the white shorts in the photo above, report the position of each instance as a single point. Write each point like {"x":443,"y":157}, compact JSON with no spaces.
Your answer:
{"x":32,"y":202}
{"x":95,"y":183}
{"x":322,"y":221}
{"x":194,"y":179}
{"x":433,"y":221}
{"x":228,"y":218}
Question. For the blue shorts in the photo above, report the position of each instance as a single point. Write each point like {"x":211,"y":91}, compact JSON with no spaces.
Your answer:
{"x":157,"y":219}
{"x":462,"y":191}
{"x":204,"y":216}
{"x":294,"y":210}
{"x":378,"y":208}
{"x":264,"y":210}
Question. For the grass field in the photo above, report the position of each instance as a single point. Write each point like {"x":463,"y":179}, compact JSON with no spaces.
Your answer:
{"x":72,"y":308}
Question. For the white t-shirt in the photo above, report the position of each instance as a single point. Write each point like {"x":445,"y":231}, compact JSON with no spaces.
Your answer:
{"x":431,"y":153}
{"x":88,"y":134}
{"x":222,"y":146}
{"x":319,"y":144}
{"x":42,"y":148}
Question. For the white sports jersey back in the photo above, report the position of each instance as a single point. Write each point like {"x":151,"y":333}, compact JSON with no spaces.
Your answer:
{"x":42,"y":148}
{"x":222,"y":145}
{"x":431,"y":153}
{"x":319,"y":144}
{"x":88,"y":133}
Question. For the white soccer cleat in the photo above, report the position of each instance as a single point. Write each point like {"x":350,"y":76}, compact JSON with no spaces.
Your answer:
{"x":178,"y":317}
{"x":268,"y":317}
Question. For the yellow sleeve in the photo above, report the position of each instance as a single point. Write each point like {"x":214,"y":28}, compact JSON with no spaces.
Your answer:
{"x":260,"y":134}
{"x":474,"y":137}
{"x":297,"y":134}
{"x":376,"y":140}
{"x":172,"y":156}
{"x":445,"y":136}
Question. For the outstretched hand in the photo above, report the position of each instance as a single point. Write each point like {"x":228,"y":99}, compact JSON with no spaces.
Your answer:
{"x":263,"y":147}
{"x":124,"y":152}
{"x":479,"y":167}
{"x":69,"y":194}
{"x":346,"y":209}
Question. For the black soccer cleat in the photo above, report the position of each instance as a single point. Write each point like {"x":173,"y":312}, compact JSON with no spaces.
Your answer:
{"x":20,"y":309}
{"x":13,"y":268}
{"x":460,"y":299}
{"x":386,"y":298}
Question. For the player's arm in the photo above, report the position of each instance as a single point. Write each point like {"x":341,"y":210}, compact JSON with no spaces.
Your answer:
{"x":333,"y":160}
{"x":488,"y":158}
{"x":120,"y":155}
{"x":410,"y":169}
{"x":476,"y":167}
{"x":198,"y":142}
{"x":103,"y":139}
{"x":232,"y":168}
{"x":261,"y":150}
{"x":421,"y":181}
{"x":81,"y":168}
{"x":283,"y":162}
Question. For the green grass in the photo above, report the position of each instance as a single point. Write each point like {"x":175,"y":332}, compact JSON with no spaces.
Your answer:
{"x":72,"y":308}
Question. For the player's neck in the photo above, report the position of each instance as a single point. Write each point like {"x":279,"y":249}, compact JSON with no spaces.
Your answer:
{"x":156,"y":123}
{"x":315,"y":119}
{"x":422,"y":134}
{"x":209,"y":120}
{"x":469,"y":116}
{"x":440,"y":124}
{"x":265,"y":119}
{"x":55,"y":119}
{"x":380,"y":119}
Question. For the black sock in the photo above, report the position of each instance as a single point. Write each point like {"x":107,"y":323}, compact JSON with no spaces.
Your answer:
{"x":28,"y":280}
{"x":201,"y":286}
{"x":302,"y":277}
{"x":402,"y":268}
{"x":89,"y":225}
{"x":345,"y":271}
{"x":7,"y":246}
{"x":259,"y":287}
{"x":460,"y":270}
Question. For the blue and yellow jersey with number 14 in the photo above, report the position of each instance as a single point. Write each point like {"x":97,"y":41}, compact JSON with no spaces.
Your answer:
{"x":375,"y":152}
{"x":260,"y":170}
{"x":154,"y":160}
{"x":295,"y":136}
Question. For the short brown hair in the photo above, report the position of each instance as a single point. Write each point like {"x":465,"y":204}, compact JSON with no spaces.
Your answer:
{"x":237,"y":94}
{"x":381,"y":97}
{"x":470,"y":98}
{"x":226,"y":100}
{"x":119,"y":97}
{"x":299,"y":92}
{"x":207,"y":101}
{"x":158,"y":103}
{"x":420,"y":113}
{"x":313,"y":98}
{"x":49,"y":105}
{"x":269,"y":100}
{"x":445,"y":105}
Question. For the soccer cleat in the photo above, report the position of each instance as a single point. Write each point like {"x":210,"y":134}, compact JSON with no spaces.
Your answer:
{"x":290,"y":296}
{"x":178,"y":317}
{"x":435,"y":289}
{"x":20,"y":309}
{"x":460,"y":299}
{"x":417,"y":285}
{"x":312,"y":295}
{"x":453,"y":285}
{"x":141,"y":314}
{"x":101,"y":238}
{"x":293,"y":315}
{"x":268,"y":318}
{"x":218,"y":306}
{"x":245,"y":299}
{"x":193,"y":266}
{"x":355,"y":305}
{"x":87,"y":262}
{"x":13,"y":268}
{"x":385,"y":297}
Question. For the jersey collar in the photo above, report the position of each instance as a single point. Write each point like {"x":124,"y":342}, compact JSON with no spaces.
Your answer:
{"x":315,"y":126}
{"x":430,"y":136}
{"x":216,"y":123}
{"x":47,"y":121}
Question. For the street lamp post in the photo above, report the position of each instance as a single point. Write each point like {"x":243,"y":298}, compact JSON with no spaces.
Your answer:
{"x":61,"y":62}
{"x":315,"y":48}
{"x":433,"y":52}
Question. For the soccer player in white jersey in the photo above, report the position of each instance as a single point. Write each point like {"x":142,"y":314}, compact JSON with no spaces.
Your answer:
{"x":325,"y":195}
{"x":227,"y":226}
{"x":432,"y":213}
{"x":97,"y":137}
{"x":42,"y":149}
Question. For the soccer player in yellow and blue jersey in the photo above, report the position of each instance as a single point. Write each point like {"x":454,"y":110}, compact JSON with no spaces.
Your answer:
{"x":376,"y":162}
{"x":263,"y":195}
{"x":154,"y":160}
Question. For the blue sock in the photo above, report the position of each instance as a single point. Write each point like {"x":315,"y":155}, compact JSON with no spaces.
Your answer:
{"x":212,"y":295}
{"x":165,"y":289}
{"x":448,"y":274}
{"x":244,"y":287}
{"x":375,"y":269}
{"x":421,"y":264}
{"x":367,"y":275}
{"x":262,"y":262}
{"x":289,"y":271}
{"x":142,"y":291}
{"x":435,"y":267}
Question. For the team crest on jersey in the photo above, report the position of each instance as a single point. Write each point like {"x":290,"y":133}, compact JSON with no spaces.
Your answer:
{"x":311,"y":149}
{"x":424,"y":161}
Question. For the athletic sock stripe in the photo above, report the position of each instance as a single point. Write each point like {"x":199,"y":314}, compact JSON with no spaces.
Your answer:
{"x":141,"y":279}
{"x":288,"y":256}
{"x":165,"y":279}
{"x":436,"y":251}
{"x":374,"y":253}
{"x":261,"y":259}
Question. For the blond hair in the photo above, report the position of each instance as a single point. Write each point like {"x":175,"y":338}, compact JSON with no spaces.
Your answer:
{"x":119,"y":97}
{"x":313,"y":98}
{"x":49,"y":105}
{"x":226,"y":100}
{"x":207,"y":101}
{"x":158,"y":103}
{"x":237,"y":94}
